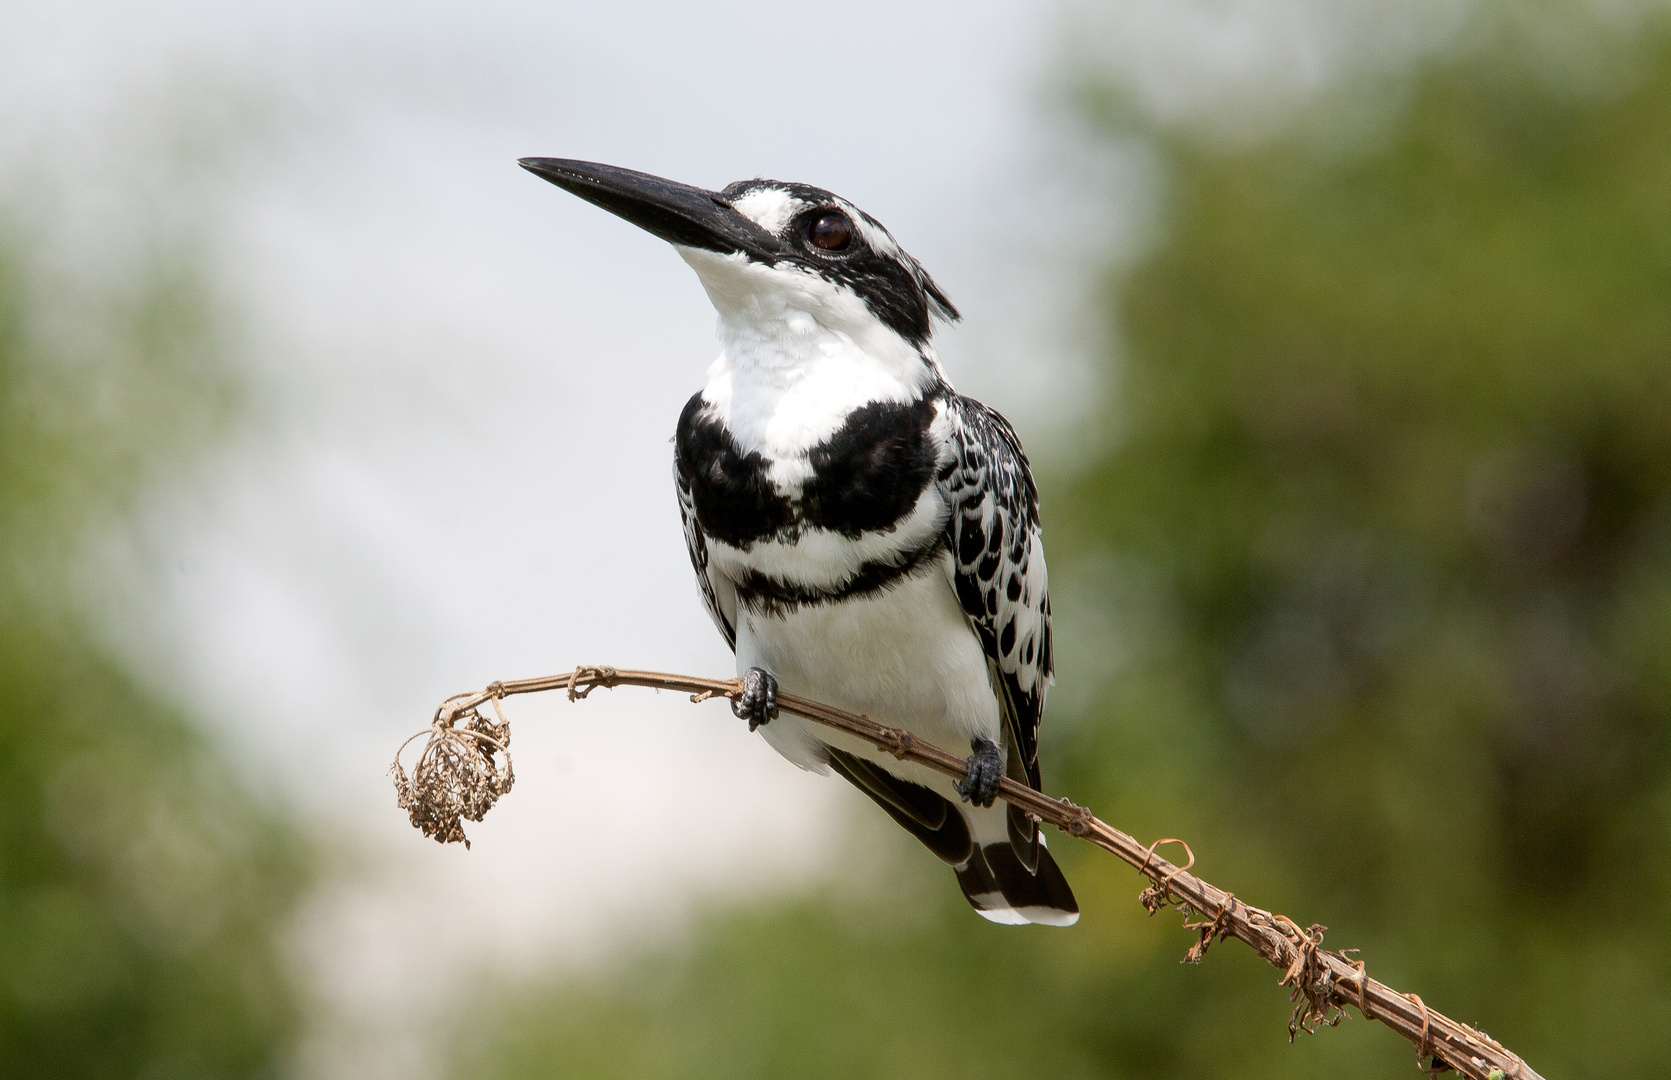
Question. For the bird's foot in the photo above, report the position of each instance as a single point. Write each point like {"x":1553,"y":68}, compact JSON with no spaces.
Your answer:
{"x":758,"y":702}
{"x":986,"y":768}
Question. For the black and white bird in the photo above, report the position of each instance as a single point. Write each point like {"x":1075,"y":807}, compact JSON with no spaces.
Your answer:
{"x":863,"y":534}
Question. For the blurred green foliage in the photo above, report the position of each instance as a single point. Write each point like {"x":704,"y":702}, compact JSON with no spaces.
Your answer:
{"x":1368,"y":596}
{"x":141,"y":892}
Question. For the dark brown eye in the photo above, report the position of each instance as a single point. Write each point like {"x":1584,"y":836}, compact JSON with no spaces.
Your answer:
{"x":831,"y":231}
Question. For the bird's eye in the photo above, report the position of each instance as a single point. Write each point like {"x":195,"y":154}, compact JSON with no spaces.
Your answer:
{"x":831,"y":231}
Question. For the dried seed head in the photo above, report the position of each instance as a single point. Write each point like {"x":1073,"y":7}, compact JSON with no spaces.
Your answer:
{"x":456,"y":776}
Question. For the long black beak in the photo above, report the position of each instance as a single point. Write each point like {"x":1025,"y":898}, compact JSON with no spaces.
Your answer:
{"x":678,"y":213}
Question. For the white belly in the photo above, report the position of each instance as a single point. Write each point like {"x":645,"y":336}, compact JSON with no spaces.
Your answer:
{"x":905,"y":656}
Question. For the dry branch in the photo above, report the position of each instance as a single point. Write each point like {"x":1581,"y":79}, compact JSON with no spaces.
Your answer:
{"x":456,"y":777}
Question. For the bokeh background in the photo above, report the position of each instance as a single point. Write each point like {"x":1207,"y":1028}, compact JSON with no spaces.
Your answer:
{"x":1339,"y":332}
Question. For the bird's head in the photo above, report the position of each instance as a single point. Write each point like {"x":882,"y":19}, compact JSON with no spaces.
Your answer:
{"x":770,"y":252}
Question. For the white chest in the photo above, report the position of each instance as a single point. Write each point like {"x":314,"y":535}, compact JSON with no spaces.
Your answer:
{"x":904,"y":656}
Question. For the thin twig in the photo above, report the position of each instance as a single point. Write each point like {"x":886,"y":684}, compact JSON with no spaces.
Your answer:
{"x":1324,"y":982}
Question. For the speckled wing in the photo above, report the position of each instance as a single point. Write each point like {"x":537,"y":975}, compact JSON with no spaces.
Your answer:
{"x":999,"y":573}
{"x":719,"y":596}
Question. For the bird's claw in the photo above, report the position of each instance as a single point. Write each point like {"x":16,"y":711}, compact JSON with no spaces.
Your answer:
{"x":986,"y":768}
{"x":758,"y":702}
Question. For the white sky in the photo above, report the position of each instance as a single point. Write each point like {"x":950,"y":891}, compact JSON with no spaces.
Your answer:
{"x":469,"y":379}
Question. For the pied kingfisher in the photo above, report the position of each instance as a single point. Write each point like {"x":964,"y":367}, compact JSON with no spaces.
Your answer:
{"x":863,"y":534}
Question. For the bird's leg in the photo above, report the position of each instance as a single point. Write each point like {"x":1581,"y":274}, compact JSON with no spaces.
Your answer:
{"x":986,"y":768}
{"x":758,"y":702}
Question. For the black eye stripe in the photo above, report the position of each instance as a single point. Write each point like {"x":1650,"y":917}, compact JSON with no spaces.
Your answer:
{"x":891,"y":284}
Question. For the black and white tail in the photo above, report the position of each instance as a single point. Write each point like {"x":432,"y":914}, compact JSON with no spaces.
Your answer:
{"x":978,"y":843}
{"x":1001,"y":889}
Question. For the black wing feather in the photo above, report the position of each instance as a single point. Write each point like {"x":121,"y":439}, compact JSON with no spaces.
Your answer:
{"x":696,"y":542}
{"x":998,"y":570}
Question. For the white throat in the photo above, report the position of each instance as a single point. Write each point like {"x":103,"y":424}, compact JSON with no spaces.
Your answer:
{"x":798,"y":354}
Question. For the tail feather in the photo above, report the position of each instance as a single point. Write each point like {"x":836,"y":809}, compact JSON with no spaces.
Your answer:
{"x":993,"y":875}
{"x":1002,"y":889}
{"x":1023,"y":830}
{"x":923,"y":813}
